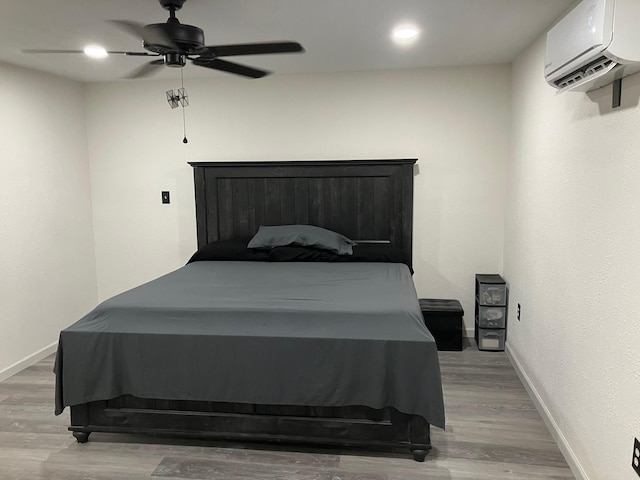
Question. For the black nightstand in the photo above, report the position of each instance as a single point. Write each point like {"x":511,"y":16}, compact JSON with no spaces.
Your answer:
{"x":443,"y":318}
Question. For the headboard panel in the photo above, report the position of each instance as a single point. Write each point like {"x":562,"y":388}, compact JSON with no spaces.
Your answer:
{"x":362,"y":199}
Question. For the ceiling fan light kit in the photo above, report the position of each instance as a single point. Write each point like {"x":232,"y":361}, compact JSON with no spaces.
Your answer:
{"x":176,"y":43}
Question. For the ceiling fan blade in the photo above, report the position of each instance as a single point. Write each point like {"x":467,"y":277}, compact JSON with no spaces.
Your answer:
{"x":146,"y":69}
{"x":136,"y":54}
{"x":135,"y":29}
{"x":151,"y":36}
{"x":254,"y":48}
{"x":39,"y":50}
{"x":230,"y":67}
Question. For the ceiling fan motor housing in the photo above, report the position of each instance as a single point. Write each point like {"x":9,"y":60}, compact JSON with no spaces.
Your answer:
{"x":186,"y":37}
{"x":174,"y":60}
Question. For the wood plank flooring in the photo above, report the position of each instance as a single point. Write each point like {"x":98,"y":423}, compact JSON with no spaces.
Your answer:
{"x":493,"y":432}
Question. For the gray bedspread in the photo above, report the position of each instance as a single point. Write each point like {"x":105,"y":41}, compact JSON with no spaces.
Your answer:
{"x":330,"y":334}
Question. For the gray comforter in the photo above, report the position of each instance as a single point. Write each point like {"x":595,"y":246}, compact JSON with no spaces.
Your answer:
{"x":331,"y":334}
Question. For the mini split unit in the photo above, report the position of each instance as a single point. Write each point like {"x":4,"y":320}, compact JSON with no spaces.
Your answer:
{"x":595,"y":44}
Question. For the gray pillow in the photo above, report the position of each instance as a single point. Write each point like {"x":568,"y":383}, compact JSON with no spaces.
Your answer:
{"x":304,"y":235}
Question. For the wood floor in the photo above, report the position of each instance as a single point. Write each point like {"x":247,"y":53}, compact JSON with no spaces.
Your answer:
{"x":493,"y":432}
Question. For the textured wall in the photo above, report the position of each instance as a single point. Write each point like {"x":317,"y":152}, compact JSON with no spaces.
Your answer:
{"x":455,"y":120}
{"x":47,"y":264}
{"x":571,"y":259}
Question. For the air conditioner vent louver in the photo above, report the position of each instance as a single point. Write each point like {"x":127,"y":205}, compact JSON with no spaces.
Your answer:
{"x":594,"y":67}
{"x":600,"y":64}
{"x":569,"y":80}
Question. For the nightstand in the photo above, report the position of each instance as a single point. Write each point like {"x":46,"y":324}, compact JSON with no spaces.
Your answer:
{"x":443,"y":318}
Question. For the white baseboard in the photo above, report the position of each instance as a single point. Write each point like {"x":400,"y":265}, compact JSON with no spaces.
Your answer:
{"x":469,"y":333}
{"x":28,"y":361}
{"x":545,"y":413}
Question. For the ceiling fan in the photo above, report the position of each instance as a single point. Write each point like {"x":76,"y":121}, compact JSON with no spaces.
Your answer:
{"x":176,"y":43}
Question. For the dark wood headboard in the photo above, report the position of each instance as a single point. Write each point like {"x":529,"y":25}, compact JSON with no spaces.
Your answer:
{"x":362,"y":199}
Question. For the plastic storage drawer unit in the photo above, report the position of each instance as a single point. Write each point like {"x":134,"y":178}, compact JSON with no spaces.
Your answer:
{"x":491,"y":290}
{"x":491,"y":339}
{"x":491,"y":312}
{"x":492,"y":317}
{"x":443,"y":318}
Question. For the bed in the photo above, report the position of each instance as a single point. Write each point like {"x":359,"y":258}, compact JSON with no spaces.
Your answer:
{"x":277,"y":348}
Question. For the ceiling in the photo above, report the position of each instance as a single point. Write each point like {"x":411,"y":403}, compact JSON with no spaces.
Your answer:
{"x":338,"y":35}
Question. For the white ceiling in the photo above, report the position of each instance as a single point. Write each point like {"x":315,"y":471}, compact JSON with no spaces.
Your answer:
{"x":338,"y":35}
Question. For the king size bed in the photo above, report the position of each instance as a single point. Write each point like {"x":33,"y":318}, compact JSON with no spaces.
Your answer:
{"x":288,"y":344}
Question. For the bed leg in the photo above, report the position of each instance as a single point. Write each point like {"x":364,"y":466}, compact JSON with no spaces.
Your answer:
{"x":79,"y":421}
{"x":419,"y":437}
{"x":82,"y":437}
{"x":419,"y":455}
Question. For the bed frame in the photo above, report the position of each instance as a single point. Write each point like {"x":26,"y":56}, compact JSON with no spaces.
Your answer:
{"x":367,"y":200}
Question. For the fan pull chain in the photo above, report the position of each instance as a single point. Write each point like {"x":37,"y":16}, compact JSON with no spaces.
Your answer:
{"x":184,"y":121}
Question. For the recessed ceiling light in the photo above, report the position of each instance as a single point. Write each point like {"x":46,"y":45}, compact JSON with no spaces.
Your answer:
{"x":405,"y":34}
{"x":95,"y":51}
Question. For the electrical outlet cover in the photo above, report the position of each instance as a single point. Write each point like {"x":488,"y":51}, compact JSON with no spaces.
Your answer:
{"x":635,"y":463}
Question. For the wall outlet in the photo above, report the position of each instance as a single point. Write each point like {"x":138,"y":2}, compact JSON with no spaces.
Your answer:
{"x":518,"y":315}
{"x":635,"y":463}
{"x":165,"y":197}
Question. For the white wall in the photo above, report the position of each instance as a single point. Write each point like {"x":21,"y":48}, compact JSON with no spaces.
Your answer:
{"x":572,"y":251}
{"x":47,"y":267}
{"x":455,"y":120}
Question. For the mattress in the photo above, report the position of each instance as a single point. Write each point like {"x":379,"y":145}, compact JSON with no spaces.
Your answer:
{"x":316,"y":334}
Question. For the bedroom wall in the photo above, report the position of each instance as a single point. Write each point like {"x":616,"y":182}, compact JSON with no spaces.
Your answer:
{"x":46,"y":242}
{"x":571,"y":260}
{"x":455,"y":120}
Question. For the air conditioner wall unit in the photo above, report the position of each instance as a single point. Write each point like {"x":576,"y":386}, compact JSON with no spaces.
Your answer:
{"x":595,"y":44}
